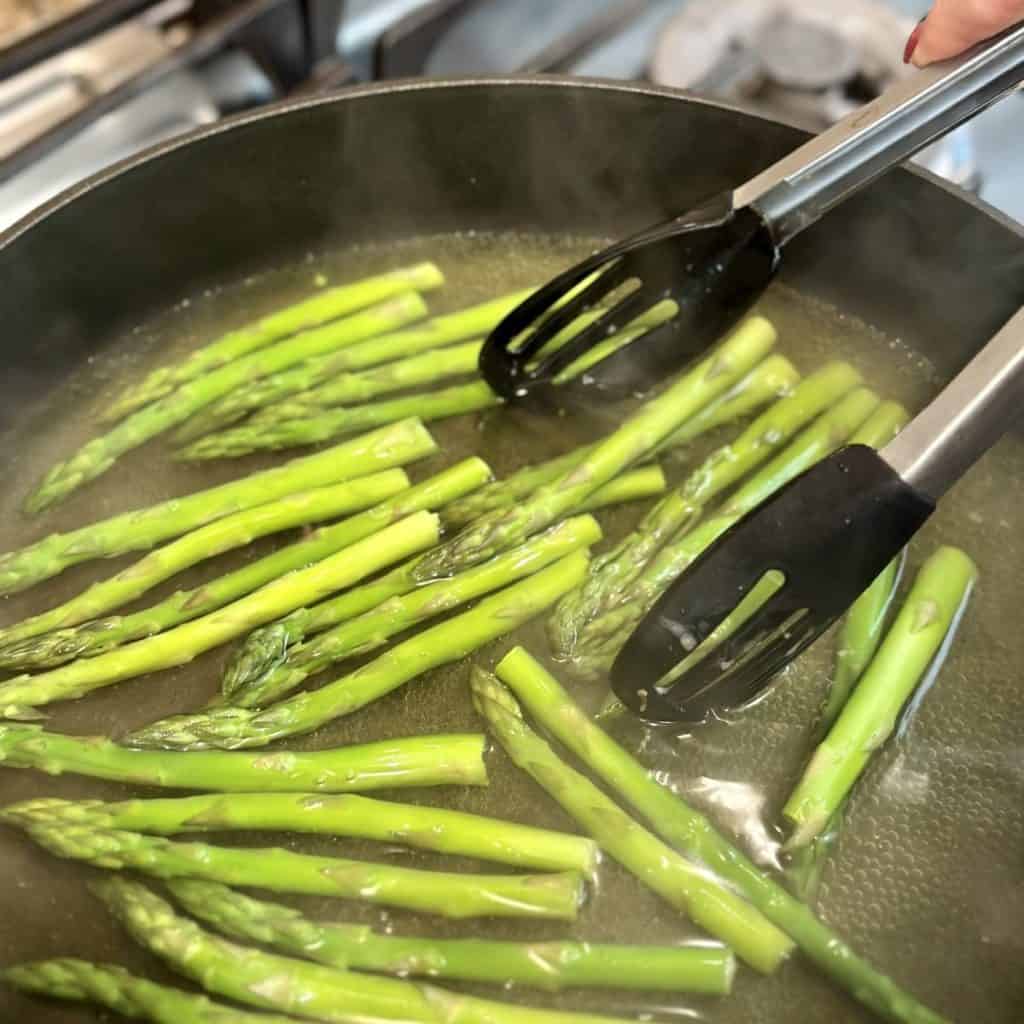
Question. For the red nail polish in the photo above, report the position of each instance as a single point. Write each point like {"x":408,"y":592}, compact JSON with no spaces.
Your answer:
{"x":915,"y":36}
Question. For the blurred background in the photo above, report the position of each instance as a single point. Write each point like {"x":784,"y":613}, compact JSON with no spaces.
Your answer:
{"x":86,"y":82}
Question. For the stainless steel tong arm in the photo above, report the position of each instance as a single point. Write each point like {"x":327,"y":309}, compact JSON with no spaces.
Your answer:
{"x":793,"y":193}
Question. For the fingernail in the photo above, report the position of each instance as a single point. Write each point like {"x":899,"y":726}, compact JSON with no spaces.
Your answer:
{"x":915,"y":38}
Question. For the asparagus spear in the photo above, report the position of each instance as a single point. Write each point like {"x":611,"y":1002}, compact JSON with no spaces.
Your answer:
{"x":295,"y":986}
{"x":114,"y":988}
{"x":925,"y":624}
{"x":325,"y":424}
{"x":771,"y":378}
{"x":451,"y":894}
{"x":636,"y":438}
{"x":613,"y":573}
{"x":350,"y":388}
{"x":552,"y":966}
{"x":425,"y":828}
{"x":181,"y":644}
{"x":695,"y":836}
{"x":634,"y":485}
{"x":441,"y":760}
{"x":99,"y":454}
{"x":494,"y":616}
{"x":435,"y":333}
{"x":215,"y":538}
{"x":312,"y":312}
{"x":407,"y":605}
{"x":602,"y":637}
{"x":102,"y":635}
{"x":141,"y":529}
{"x":684,"y":886}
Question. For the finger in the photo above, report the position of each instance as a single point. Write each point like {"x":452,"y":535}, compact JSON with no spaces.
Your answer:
{"x":954,"y":26}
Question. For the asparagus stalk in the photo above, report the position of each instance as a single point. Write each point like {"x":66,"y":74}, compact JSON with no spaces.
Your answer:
{"x":99,"y":454}
{"x":183,"y":643}
{"x":552,"y":966}
{"x":684,"y":886}
{"x":142,"y":529}
{"x":635,"y":439}
{"x":924,"y":626}
{"x":859,"y":636}
{"x":602,"y":637}
{"x":118,"y":990}
{"x":613,"y":573}
{"x":102,"y":635}
{"x":634,"y":485}
{"x":425,"y":828}
{"x":771,"y":378}
{"x":441,"y":760}
{"x":215,"y":538}
{"x":435,"y":333}
{"x":695,"y":836}
{"x":312,"y":312}
{"x":407,"y":605}
{"x":556,"y":895}
{"x":326,"y":424}
{"x":350,"y":388}
{"x":231,"y":727}
{"x":295,"y":986}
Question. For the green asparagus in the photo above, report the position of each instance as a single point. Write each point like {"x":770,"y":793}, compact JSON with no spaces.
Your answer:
{"x":296,"y":986}
{"x":695,"y":836}
{"x":114,"y":988}
{"x":326,"y":424}
{"x":681,"y":884}
{"x":435,"y":333}
{"x":555,"y":895}
{"x":101,"y":635}
{"x":602,"y":637}
{"x":441,"y":760}
{"x":633,"y":485}
{"x":552,"y":965}
{"x":424,"y":828}
{"x":859,"y":636}
{"x":613,"y":573}
{"x":99,"y":454}
{"x":494,"y":616}
{"x":924,"y":626}
{"x":635,"y":439}
{"x":320,"y":309}
{"x":143,"y":528}
{"x":407,"y":605}
{"x":346,"y":388}
{"x":208,"y":541}
{"x":181,"y":644}
{"x":771,"y":378}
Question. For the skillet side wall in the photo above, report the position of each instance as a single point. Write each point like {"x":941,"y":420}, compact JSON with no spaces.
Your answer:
{"x":915,"y":259}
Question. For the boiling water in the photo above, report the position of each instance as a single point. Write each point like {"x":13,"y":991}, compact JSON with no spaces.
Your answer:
{"x":929,"y":880}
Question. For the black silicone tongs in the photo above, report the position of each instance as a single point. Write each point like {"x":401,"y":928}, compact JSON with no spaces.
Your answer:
{"x":819,"y":541}
{"x":716,"y":260}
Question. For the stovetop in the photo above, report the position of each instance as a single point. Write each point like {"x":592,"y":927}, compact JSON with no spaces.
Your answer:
{"x":678,"y":42}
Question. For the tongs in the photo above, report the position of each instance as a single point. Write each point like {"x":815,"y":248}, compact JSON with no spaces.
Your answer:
{"x":820,"y":541}
{"x":717,"y":259}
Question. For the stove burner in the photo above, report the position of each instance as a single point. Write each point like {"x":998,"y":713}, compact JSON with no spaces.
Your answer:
{"x":810,"y":62}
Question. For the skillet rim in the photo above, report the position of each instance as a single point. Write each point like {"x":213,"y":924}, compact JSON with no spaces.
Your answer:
{"x":370,"y":90}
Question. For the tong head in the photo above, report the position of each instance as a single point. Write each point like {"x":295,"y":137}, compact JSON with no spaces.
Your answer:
{"x":818,"y":542}
{"x":713,"y":262}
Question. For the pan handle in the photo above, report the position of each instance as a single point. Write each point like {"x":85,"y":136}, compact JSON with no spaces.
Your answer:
{"x":970,"y":414}
{"x":795,"y":192}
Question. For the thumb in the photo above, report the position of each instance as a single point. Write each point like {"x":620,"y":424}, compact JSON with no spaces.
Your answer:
{"x":954,"y":26}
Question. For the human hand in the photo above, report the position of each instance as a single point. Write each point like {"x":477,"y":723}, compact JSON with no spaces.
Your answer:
{"x":953,"y":26}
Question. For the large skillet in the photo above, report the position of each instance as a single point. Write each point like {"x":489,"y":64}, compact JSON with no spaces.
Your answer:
{"x":919,"y":259}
